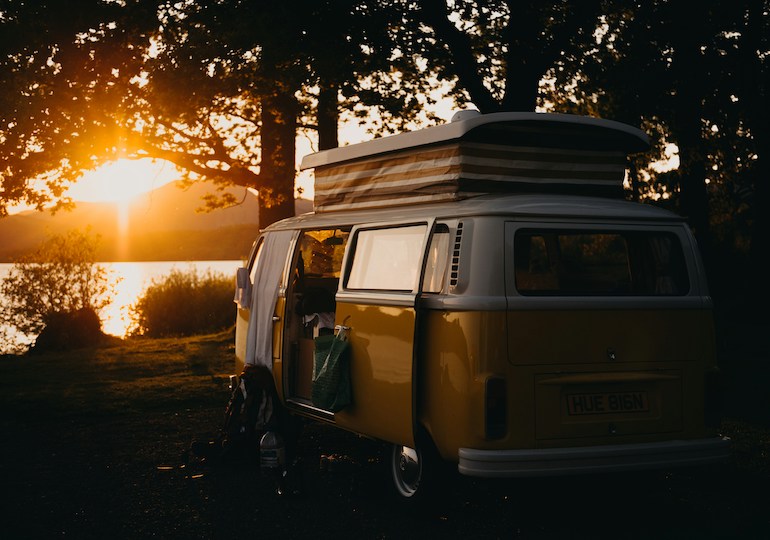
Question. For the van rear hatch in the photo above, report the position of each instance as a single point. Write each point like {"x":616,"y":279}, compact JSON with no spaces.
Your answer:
{"x":610,"y":372}
{"x":606,"y":326}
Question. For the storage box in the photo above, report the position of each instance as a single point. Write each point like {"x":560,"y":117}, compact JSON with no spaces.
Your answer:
{"x":304,"y":384}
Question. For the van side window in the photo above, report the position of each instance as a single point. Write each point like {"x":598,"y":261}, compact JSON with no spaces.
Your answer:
{"x":580,"y":263}
{"x":387,"y":259}
{"x":437,"y":260}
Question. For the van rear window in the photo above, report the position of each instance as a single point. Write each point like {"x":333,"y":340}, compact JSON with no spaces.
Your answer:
{"x":607,"y":263}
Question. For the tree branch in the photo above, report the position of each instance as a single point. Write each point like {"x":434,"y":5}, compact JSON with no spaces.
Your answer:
{"x":434,"y":13}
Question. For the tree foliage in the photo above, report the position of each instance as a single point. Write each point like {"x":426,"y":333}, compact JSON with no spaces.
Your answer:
{"x":65,"y":68}
{"x":496,"y":52}
{"x":59,"y":278}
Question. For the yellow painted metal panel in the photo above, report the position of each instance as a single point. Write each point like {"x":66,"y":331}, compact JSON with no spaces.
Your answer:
{"x":654,"y":359}
{"x":278,"y":329}
{"x":460,"y":350}
{"x":590,"y":336}
{"x":241,"y":332}
{"x":381,"y":350}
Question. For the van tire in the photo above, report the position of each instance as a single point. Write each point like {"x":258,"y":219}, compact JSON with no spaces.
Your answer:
{"x":416,"y":474}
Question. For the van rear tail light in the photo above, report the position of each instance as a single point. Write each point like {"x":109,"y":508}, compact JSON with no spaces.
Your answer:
{"x":495,"y":408}
{"x":714,"y":402}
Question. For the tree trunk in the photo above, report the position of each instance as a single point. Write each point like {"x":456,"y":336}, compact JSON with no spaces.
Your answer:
{"x":521,"y":89}
{"x":693,"y":198}
{"x":686,"y":124}
{"x":686,"y":129}
{"x":760,"y":231}
{"x":277,"y":168}
{"x":633,"y":180}
{"x":434,"y":13}
{"x":756,"y":82}
{"x":328,"y":117}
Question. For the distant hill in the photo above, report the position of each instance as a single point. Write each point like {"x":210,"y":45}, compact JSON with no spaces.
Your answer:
{"x":162,"y":225}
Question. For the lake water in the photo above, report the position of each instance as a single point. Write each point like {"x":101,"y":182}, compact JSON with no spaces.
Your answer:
{"x":134,"y":277}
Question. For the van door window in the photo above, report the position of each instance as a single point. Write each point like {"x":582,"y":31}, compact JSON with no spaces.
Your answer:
{"x":321,"y":252}
{"x":387,"y":259}
{"x":317,"y":273}
{"x":581,"y":263}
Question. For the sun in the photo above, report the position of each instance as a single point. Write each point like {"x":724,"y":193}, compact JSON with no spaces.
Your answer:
{"x":122,"y":180}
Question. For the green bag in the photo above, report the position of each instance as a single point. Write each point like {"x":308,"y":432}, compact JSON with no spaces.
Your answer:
{"x":331,"y":373}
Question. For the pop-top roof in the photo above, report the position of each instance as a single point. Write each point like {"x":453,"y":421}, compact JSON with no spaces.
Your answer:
{"x":499,"y":152}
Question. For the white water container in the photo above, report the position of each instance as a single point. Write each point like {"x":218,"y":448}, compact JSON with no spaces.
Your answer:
{"x":272,"y":454}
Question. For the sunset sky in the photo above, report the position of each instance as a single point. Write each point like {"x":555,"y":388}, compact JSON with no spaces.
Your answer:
{"x":122,"y":180}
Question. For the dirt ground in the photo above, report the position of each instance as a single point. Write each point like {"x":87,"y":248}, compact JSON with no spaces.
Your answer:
{"x":128,"y":478}
{"x":97,"y":447}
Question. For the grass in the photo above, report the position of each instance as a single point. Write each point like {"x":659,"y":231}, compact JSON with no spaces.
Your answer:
{"x":85,"y":433}
{"x":127,"y":376}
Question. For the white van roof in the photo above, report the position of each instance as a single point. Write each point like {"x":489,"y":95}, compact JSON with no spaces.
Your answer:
{"x":476,"y":154}
{"x":527,"y":206}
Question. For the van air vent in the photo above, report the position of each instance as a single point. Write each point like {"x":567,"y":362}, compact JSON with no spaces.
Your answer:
{"x":454,"y":276}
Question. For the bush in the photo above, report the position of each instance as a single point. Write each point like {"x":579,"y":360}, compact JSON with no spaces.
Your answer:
{"x":182,"y":304}
{"x":55,"y":289}
{"x":65,"y":331}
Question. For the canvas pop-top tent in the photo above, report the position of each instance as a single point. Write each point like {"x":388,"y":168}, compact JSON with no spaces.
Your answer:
{"x":475,"y":154}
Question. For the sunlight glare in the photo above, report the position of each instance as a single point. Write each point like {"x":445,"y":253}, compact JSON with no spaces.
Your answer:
{"x":120,"y":183}
{"x":123,"y":180}
{"x":116,"y":317}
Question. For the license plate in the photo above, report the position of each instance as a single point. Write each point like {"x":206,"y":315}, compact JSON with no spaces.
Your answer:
{"x":607,"y":403}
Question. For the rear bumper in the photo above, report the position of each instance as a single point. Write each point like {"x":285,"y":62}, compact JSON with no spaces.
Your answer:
{"x":592,"y":459}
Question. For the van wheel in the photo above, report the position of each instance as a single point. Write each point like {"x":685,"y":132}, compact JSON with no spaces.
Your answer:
{"x":406,"y":469}
{"x":415,"y":474}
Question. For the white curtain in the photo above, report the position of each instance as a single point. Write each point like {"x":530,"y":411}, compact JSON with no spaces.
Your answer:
{"x":264,"y":294}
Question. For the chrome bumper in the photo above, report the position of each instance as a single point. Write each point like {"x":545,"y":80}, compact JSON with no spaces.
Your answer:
{"x":592,"y":459}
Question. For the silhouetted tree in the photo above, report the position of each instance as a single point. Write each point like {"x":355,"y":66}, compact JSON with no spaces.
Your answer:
{"x":218,"y":88}
{"x":57,"y":291}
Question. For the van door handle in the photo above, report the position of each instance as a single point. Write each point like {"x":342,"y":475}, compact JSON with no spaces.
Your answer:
{"x":276,"y":318}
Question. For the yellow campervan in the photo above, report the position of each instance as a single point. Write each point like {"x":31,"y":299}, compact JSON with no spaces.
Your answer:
{"x":504,"y":308}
